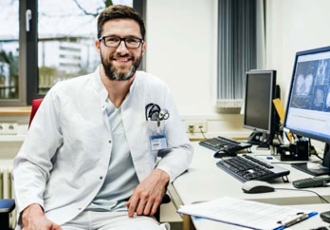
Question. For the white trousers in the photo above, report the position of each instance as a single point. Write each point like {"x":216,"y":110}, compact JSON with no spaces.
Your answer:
{"x":90,"y":220}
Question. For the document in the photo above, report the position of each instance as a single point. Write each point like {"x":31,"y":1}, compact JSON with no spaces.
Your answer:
{"x":245,"y":213}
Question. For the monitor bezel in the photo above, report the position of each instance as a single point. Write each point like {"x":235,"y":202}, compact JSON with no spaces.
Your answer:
{"x":302,"y":133}
{"x":272,"y":94}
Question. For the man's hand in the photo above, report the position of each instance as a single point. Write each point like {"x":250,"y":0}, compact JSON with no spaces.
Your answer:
{"x":148,"y":194}
{"x":34,"y":218}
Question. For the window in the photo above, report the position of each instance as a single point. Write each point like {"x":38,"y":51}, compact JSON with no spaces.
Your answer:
{"x":55,"y":42}
{"x":238,"y":33}
{"x":9,"y":51}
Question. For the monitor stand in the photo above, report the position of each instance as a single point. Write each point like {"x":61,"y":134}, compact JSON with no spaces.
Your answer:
{"x":255,"y":138}
{"x":260,"y":139}
{"x":317,"y":172}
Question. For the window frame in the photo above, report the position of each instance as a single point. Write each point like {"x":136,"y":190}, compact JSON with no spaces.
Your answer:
{"x":32,"y":72}
{"x":22,"y":65}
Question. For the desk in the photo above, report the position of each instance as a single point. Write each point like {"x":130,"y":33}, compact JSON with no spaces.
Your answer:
{"x":205,"y":181}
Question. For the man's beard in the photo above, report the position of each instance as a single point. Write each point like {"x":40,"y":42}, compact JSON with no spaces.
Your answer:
{"x":113,"y":74}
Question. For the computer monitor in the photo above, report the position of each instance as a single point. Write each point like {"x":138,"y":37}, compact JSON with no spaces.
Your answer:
{"x":308,"y":105}
{"x":259,"y":111}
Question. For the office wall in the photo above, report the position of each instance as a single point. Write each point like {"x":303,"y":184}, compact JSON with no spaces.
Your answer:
{"x":294,"y":25}
{"x":181,"y":50}
{"x":182,"y":41}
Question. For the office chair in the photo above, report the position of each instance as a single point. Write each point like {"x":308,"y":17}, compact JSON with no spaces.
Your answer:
{"x":35,"y":106}
{"x":8,"y":205}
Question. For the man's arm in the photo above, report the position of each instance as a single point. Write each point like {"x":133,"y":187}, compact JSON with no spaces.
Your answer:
{"x":148,"y":194}
{"x":33,"y":217}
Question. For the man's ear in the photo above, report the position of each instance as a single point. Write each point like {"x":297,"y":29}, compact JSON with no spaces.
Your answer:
{"x":144,"y":46}
{"x":97,"y":45}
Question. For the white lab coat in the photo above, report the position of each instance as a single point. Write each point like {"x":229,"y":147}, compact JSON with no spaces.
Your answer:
{"x":65,"y":156}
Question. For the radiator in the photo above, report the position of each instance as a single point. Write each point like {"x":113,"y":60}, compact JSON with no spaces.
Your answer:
{"x":6,"y":190}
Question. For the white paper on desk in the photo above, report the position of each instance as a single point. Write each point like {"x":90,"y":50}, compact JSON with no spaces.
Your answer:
{"x":251,"y":214}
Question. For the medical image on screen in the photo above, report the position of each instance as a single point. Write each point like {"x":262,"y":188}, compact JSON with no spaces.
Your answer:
{"x":311,"y":86}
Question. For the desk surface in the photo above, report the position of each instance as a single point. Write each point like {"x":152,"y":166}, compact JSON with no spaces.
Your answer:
{"x":205,"y":181}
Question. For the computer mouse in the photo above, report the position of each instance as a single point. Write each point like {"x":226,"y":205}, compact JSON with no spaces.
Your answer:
{"x":223,"y":153}
{"x":255,"y":186}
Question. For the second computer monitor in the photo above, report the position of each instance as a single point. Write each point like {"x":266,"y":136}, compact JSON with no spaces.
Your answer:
{"x":259,"y":111}
{"x":308,"y":106}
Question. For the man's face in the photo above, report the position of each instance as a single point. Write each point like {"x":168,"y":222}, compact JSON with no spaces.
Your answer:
{"x":120,"y":63}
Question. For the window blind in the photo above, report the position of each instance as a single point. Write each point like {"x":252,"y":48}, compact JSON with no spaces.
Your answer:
{"x":237,"y":49}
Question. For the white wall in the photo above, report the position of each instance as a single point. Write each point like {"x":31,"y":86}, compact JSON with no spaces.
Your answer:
{"x":294,"y":25}
{"x":181,"y":50}
{"x":181,"y":44}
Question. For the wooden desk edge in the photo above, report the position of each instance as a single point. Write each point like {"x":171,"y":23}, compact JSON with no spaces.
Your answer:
{"x":187,"y":223}
{"x":15,"y":110}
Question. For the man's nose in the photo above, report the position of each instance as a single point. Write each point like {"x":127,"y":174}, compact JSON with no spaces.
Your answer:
{"x":122,"y":47}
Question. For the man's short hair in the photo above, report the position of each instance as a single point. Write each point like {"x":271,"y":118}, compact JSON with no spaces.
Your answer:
{"x":117,"y":12}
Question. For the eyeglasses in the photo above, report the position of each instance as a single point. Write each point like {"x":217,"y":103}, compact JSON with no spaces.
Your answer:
{"x":114,"y":42}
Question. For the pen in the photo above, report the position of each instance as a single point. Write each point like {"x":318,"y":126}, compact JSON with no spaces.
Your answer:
{"x":300,"y":216}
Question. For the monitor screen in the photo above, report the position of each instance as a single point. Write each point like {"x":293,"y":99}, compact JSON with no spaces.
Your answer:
{"x":308,"y":105}
{"x":259,"y":111}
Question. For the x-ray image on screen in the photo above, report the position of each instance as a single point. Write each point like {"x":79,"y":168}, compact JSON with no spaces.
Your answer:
{"x":319,"y":94}
{"x":304,"y":85}
{"x":322,"y":74}
{"x":311,"y":85}
{"x":327,"y":102}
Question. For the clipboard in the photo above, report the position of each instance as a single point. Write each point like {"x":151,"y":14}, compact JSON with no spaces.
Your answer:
{"x":247,"y":213}
{"x":280,"y":111}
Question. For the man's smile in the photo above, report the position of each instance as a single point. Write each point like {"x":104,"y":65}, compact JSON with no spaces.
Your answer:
{"x":122,"y":60}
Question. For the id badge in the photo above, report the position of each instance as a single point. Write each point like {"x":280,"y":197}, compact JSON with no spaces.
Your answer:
{"x":158,"y":142}
{"x":157,"y":135}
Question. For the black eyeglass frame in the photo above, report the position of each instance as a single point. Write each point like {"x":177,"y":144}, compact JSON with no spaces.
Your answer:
{"x":141,"y":41}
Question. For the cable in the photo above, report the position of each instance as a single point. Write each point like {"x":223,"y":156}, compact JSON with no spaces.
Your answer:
{"x":200,"y":128}
{"x":280,"y":139}
{"x":313,"y":150}
{"x":317,"y":155}
{"x":305,"y":190}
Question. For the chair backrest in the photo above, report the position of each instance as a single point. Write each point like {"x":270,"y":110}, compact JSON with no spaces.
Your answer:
{"x":35,"y":106}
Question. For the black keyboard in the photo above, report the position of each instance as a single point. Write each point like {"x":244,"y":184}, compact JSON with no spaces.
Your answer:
{"x":247,"y":167}
{"x":224,"y":144}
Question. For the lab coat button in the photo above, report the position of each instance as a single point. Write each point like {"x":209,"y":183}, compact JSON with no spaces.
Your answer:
{"x":109,"y":141}
{"x":101,"y":177}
